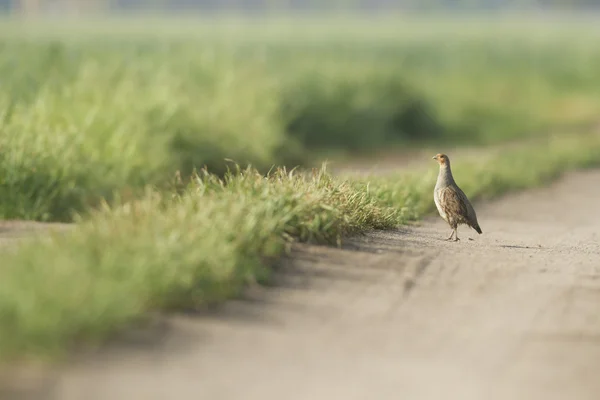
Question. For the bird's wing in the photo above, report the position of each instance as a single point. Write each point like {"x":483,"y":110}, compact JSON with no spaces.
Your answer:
{"x":452,"y":202}
{"x":472,"y":217}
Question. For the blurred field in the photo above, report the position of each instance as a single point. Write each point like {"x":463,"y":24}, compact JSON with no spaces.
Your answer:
{"x":97,"y":108}
{"x":112,"y":110}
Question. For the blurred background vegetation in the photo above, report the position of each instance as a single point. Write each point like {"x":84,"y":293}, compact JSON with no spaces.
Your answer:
{"x":100,"y":105}
{"x":261,"y":6}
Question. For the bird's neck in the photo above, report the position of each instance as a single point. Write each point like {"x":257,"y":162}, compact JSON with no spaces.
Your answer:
{"x":445,"y":176}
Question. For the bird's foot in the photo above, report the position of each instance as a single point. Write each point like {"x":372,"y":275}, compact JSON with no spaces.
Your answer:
{"x":453,"y":235}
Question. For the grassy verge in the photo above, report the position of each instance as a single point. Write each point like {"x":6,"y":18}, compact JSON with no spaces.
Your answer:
{"x":202,"y":246}
{"x":94,"y":109}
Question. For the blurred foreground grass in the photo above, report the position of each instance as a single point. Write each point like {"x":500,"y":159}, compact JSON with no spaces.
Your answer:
{"x":164,"y":252}
{"x":94,"y":109}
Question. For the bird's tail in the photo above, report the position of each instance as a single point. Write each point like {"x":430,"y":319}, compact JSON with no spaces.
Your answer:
{"x":478,"y":229}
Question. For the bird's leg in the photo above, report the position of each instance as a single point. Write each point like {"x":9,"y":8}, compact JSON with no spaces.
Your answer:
{"x":456,"y":239}
{"x":451,"y":235}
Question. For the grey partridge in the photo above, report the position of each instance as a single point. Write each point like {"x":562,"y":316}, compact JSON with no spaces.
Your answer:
{"x":452,"y":203}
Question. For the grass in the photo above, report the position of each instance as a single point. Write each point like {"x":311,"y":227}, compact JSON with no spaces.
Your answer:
{"x":99,"y":122}
{"x":97,"y":110}
{"x":184,"y":251}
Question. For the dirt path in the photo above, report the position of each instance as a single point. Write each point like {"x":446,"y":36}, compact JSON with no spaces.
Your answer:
{"x":514,"y":314}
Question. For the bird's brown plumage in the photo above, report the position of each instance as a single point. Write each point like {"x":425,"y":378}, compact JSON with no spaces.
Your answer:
{"x":452,"y":203}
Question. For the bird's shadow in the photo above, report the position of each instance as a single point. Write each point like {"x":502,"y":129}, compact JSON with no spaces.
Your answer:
{"x":452,"y":241}
{"x":509,"y":246}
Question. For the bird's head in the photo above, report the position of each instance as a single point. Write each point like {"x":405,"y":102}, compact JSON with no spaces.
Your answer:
{"x":442,"y":159}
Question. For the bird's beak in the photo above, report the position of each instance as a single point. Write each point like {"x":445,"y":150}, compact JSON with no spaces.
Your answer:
{"x":434,"y":158}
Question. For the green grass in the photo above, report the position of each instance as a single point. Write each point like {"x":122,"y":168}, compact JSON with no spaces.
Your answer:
{"x":97,"y":118}
{"x":166,"y":253}
{"x":99,"y":109}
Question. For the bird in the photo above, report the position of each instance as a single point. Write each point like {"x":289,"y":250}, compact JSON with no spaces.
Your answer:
{"x":451,"y":202}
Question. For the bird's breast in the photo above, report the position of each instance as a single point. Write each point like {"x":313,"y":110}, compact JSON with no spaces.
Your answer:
{"x":438,"y":204}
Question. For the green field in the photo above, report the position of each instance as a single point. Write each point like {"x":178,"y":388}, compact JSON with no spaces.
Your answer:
{"x":90,"y":110}
{"x":99,"y":119}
